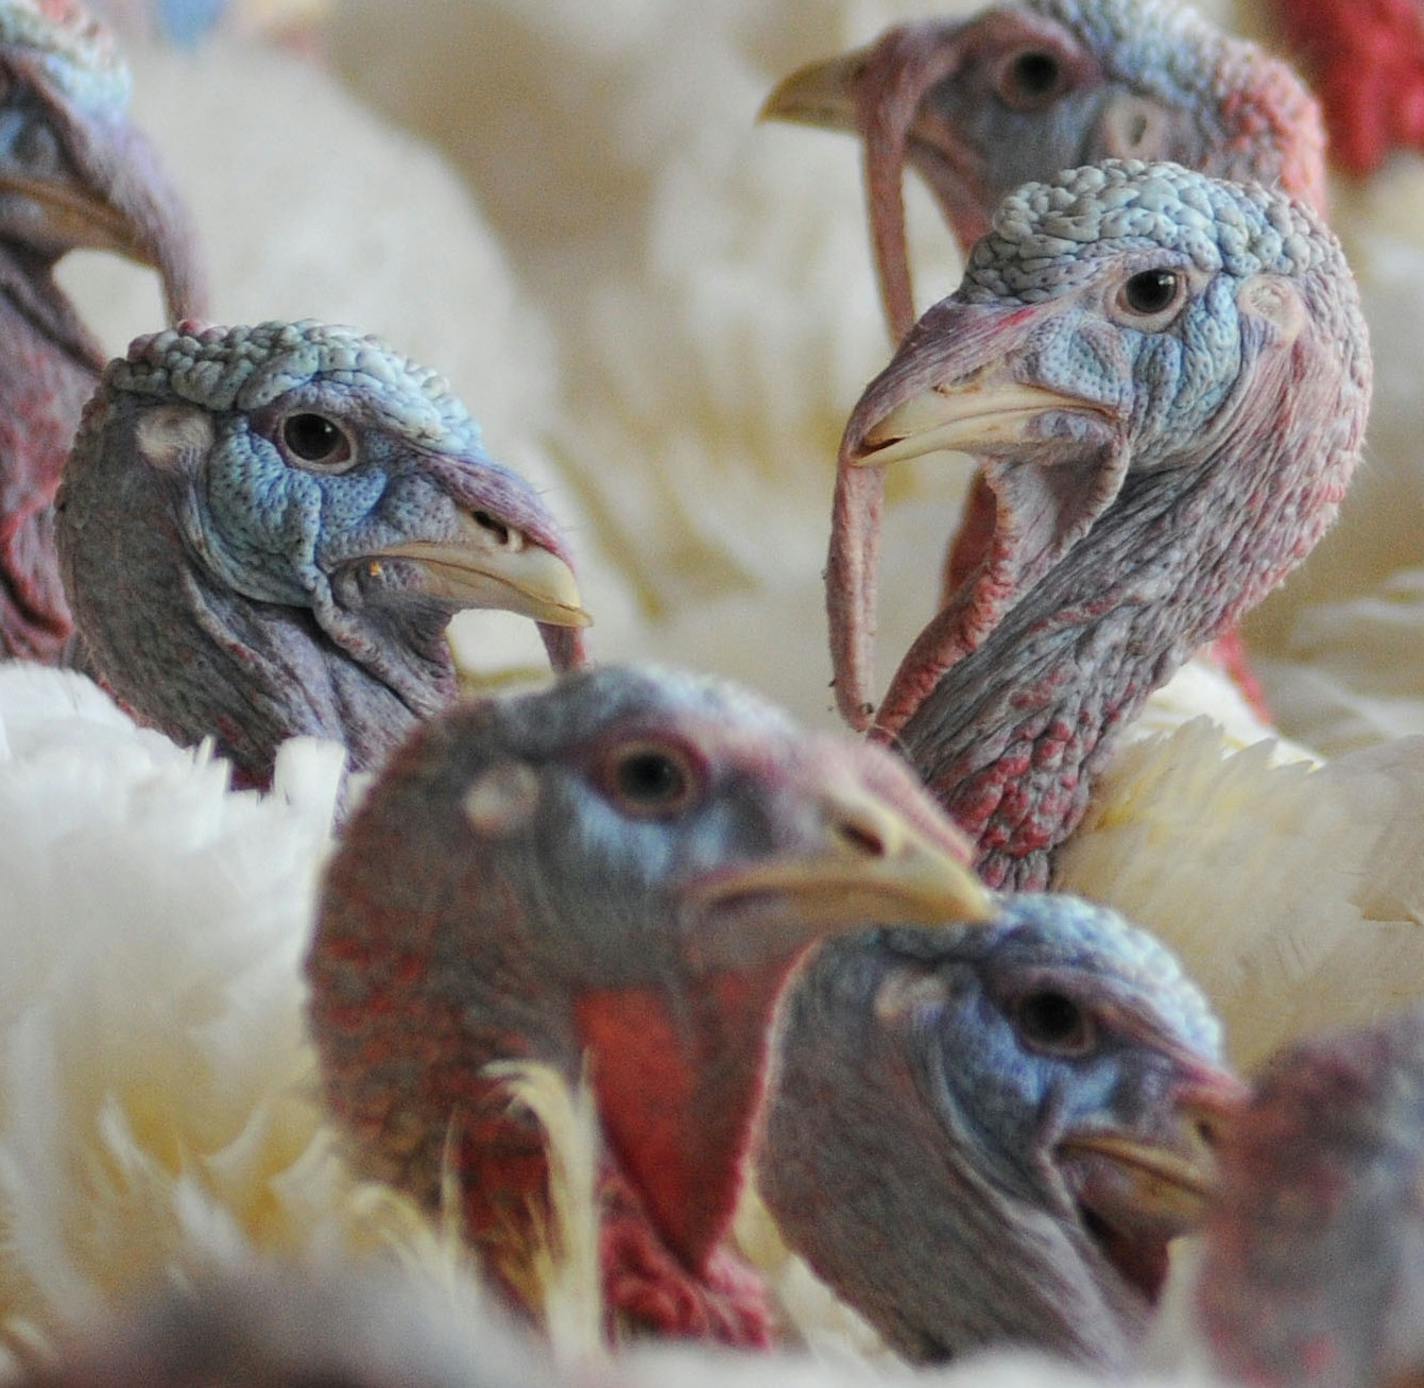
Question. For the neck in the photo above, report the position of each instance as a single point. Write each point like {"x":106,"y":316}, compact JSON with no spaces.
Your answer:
{"x":413,"y":999}
{"x":1015,"y":731}
{"x":196,"y":660}
{"x":874,"y":1180}
{"x":48,"y":369}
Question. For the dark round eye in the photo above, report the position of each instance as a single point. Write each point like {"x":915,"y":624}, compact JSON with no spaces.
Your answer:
{"x":1031,"y":79}
{"x":652,"y":780}
{"x":313,"y":438}
{"x":1151,"y":291}
{"x":1055,"y":1022}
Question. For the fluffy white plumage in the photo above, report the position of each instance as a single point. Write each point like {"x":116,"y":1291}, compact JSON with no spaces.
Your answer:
{"x":156,"y":1087}
{"x":664,"y":314}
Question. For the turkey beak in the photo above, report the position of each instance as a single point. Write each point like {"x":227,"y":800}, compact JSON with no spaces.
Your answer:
{"x":492,"y":564}
{"x":948,"y":390}
{"x":872,"y":864}
{"x":1164,"y":1180}
{"x":90,"y":180}
{"x":822,"y":94}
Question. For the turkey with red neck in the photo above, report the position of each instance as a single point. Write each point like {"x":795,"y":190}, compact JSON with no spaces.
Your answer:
{"x":1166,"y":379}
{"x":624,"y":868}
{"x":74,"y":174}
{"x":1023,"y":91}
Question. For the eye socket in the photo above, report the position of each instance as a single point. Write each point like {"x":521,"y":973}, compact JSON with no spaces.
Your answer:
{"x":1031,"y":79}
{"x":313,"y":438}
{"x":651,"y":779}
{"x":1150,"y":294}
{"x":1052,"y":1021}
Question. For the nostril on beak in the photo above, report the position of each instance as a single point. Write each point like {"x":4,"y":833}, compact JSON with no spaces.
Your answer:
{"x":1208,"y":1134}
{"x":863,"y":838}
{"x":503,"y":535}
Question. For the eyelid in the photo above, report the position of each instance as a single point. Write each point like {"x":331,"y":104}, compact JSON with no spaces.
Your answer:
{"x":1120,"y":312}
{"x":687,"y":758}
{"x":315,"y":465}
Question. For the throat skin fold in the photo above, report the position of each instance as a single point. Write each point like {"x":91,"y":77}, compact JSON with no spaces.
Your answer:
{"x":1011,"y":728}
{"x":679,"y":1090}
{"x":249,"y":674}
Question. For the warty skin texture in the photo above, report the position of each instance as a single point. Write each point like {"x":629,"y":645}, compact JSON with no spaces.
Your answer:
{"x":73,"y":173}
{"x":226,"y":586}
{"x":1024,"y":91}
{"x":986,"y":1137}
{"x":1155,"y":474}
{"x":624,"y":868}
{"x":1312,"y":1273}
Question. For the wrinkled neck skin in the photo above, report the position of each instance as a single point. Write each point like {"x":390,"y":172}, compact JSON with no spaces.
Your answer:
{"x":48,"y":369}
{"x":1011,"y":730}
{"x":196,"y":660}
{"x":873,"y":1175}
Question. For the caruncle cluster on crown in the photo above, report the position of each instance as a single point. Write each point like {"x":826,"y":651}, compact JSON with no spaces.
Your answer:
{"x":1040,"y":232}
{"x":77,"y":49}
{"x":247,"y":368}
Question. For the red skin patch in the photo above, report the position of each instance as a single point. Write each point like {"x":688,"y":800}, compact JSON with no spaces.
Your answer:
{"x":1366,"y":58}
{"x":678,"y":1095}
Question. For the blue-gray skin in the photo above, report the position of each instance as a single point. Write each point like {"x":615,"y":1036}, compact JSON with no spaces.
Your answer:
{"x":987,"y":1137}
{"x":1166,"y":380}
{"x":74,"y":173}
{"x":264,"y":532}
{"x":1312,"y":1274}
{"x":1024,"y":90}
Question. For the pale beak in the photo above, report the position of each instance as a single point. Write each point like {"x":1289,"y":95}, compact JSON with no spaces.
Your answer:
{"x":874,"y":866}
{"x":820,"y":94}
{"x":966,"y":418}
{"x":74,"y":217}
{"x":111,"y":194}
{"x":495,"y":566}
{"x":1171,"y":1177}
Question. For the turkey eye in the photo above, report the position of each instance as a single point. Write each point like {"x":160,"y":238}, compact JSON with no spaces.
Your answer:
{"x":1031,"y":80}
{"x":1054,"y":1022}
{"x":651,"y":780}
{"x":1150,"y":292}
{"x":315,"y":439}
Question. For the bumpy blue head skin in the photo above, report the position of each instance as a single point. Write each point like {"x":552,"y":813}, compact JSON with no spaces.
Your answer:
{"x":1080,"y":239}
{"x":986,"y":1105}
{"x":1167,"y":379}
{"x":276,"y":527}
{"x":1023,"y":90}
{"x":298,"y":487}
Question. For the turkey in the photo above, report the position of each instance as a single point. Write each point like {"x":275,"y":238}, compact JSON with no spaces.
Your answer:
{"x":265,"y":532}
{"x":1022,"y":92}
{"x":1167,"y":377}
{"x":74,"y":173}
{"x":626,"y":868}
{"x":988,"y":1136}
